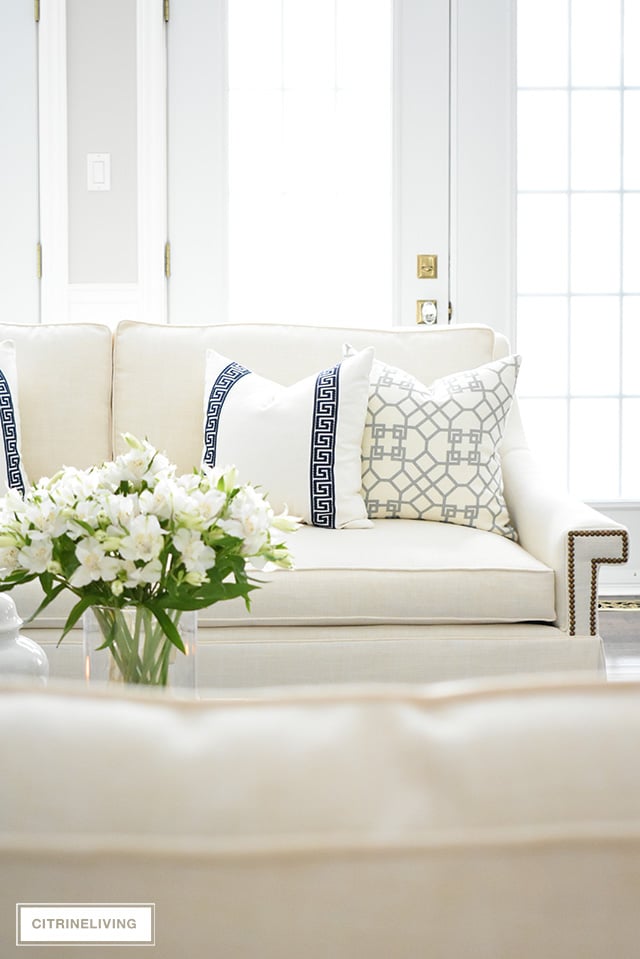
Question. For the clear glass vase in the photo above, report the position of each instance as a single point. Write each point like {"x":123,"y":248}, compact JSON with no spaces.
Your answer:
{"x":129,"y":645}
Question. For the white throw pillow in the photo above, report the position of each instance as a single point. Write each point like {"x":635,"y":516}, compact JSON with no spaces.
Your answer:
{"x":432,"y":452}
{"x":12,"y":474}
{"x":301,"y":444}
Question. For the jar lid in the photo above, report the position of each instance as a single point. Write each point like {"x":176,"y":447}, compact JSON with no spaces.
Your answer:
{"x":9,"y":619}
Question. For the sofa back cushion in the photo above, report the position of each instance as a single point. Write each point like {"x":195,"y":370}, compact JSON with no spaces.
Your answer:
{"x":159,"y":370}
{"x":64,"y":394}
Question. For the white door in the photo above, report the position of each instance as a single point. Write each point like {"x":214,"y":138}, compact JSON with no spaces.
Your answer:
{"x":303,"y":178}
{"x":101,"y":74}
{"x":19,"y":236}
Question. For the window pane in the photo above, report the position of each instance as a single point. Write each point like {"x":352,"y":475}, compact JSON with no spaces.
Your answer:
{"x":363,"y":72}
{"x":310,"y":161}
{"x":542,"y":320}
{"x":595,"y":140}
{"x":595,"y":243}
{"x":308,"y":53}
{"x":255,"y":55}
{"x":255,"y":125}
{"x":631,"y":345}
{"x":595,"y":43}
{"x":542,"y":243}
{"x":632,"y":139}
{"x":545,"y":425}
{"x":595,"y":345}
{"x":630,"y":487}
{"x":631,"y":34}
{"x":594,"y":445}
{"x":543,"y":25}
{"x":631,"y":282}
{"x":543,"y":131}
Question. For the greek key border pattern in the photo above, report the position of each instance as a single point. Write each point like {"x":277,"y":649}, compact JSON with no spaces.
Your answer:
{"x":10,"y":437}
{"x":323,"y":448}
{"x":224,"y":383}
{"x":595,"y":562}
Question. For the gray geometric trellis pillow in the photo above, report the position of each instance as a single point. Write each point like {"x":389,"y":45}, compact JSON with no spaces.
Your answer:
{"x":432,"y":452}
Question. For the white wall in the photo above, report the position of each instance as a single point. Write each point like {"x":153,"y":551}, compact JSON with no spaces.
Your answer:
{"x":19,"y":233}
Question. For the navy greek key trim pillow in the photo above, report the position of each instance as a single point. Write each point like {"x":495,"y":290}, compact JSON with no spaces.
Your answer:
{"x":301,"y":443}
{"x":12,"y":475}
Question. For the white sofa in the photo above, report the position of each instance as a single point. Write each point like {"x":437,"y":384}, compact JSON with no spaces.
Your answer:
{"x":484,"y":821}
{"x":405,"y":600}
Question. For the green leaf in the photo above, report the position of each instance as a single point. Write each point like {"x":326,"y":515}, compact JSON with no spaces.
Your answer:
{"x":168,"y":626}
{"x":75,"y":614}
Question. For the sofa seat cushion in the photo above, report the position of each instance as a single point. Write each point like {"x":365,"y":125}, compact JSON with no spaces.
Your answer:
{"x":401,"y":571}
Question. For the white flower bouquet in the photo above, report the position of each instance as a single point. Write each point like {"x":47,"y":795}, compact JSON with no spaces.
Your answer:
{"x":133,"y":533}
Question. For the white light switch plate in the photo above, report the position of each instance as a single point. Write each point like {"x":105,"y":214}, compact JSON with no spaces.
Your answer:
{"x":98,"y":171}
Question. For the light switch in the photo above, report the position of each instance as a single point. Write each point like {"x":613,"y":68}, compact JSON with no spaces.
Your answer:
{"x":98,"y":171}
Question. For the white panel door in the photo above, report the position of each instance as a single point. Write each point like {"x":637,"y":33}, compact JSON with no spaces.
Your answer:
{"x":309,"y":157}
{"x":19,"y":286}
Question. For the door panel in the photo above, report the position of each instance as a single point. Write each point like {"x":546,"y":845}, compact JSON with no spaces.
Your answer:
{"x":313,"y":181}
{"x":19,"y":286}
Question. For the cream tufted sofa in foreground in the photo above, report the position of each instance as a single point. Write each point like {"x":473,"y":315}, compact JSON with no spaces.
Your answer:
{"x":460,"y":821}
{"x":406,"y":600}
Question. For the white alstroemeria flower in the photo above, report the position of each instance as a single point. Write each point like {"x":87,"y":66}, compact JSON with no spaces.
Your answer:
{"x":285,"y":522}
{"x":36,"y":556}
{"x":141,"y":462}
{"x":144,"y":541}
{"x":210,"y":506}
{"x":189,"y":482}
{"x":9,"y":558}
{"x":249,"y":519}
{"x":199,"y":510}
{"x":44,"y":515}
{"x":90,"y":511}
{"x":120,"y":510}
{"x":160,"y":501}
{"x":71,"y":485}
{"x":141,"y":575}
{"x":196,"y":556}
{"x":94,"y":563}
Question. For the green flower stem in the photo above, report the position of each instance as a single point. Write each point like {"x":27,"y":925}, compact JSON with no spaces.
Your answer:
{"x":142,"y":654}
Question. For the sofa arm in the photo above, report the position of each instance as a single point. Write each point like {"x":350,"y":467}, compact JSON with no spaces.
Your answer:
{"x":572,"y":538}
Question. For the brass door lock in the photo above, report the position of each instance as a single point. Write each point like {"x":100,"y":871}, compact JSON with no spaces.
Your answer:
{"x":427,"y":266}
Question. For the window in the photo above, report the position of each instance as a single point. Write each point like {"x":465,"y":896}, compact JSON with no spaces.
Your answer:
{"x":578,"y":234}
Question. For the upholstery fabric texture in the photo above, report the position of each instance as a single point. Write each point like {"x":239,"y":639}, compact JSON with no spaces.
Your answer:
{"x":65,"y":384}
{"x":433,"y":452}
{"x":12,"y":473}
{"x":462,"y":821}
{"x":299,"y":443}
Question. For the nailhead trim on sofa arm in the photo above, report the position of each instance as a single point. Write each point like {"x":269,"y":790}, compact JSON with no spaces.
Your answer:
{"x":582,"y":569}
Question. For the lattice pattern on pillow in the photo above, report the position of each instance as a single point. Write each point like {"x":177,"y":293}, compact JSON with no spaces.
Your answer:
{"x":432,"y":452}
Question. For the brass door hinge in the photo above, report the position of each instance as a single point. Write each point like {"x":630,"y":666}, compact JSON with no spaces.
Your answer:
{"x":167,"y":259}
{"x":165,"y":7}
{"x":39,"y":260}
{"x":36,"y":10}
{"x":450,"y":312}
